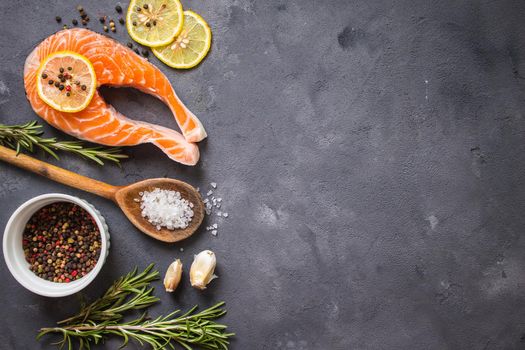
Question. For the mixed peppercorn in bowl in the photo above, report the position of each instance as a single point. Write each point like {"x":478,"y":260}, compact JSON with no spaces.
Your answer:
{"x":55,"y":244}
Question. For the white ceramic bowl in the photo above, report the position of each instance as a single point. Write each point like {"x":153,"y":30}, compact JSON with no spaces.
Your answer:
{"x":14,"y":253}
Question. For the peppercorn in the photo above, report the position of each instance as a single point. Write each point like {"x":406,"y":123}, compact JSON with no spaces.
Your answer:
{"x":75,"y":22}
{"x":113,"y":29}
{"x":69,"y":68}
{"x":68,"y":94}
{"x":118,"y":9}
{"x":84,"y":22}
{"x":57,"y":84}
{"x":83,"y":87}
{"x":148,"y":24}
{"x":145,"y":6}
{"x":102,"y":19}
{"x":137,"y":51}
{"x":65,"y":26}
{"x":53,"y":260}
{"x":105,"y":28}
{"x":61,"y":87}
{"x":80,"y":8}
{"x":154,"y":22}
{"x":121,"y":20}
{"x":58,"y":19}
{"x":44,"y":76}
{"x":145,"y":53}
{"x":139,"y":9}
{"x":130,"y":45}
{"x":50,"y":82}
{"x":134,"y":23}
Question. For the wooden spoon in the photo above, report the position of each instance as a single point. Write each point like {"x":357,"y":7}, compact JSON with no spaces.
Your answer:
{"x":124,"y":196}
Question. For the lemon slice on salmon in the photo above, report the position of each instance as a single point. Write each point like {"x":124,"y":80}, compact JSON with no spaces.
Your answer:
{"x":190,"y":47}
{"x":154,"y":22}
{"x":66,"y":81}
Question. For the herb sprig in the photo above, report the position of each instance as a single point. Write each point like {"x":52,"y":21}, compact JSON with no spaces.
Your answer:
{"x":28,"y":136}
{"x":104,"y":317}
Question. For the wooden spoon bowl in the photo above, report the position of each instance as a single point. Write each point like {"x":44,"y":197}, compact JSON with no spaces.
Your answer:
{"x":124,"y":196}
{"x":126,"y":199}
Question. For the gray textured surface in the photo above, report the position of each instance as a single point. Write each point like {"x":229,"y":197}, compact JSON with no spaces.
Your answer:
{"x":370,"y":154}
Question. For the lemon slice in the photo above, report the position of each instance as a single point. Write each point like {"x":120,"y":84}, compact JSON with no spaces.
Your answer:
{"x":66,"y":81}
{"x":154,"y":22}
{"x":191,"y":45}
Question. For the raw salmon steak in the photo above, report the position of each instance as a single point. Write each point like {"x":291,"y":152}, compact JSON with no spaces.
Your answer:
{"x":118,"y":66}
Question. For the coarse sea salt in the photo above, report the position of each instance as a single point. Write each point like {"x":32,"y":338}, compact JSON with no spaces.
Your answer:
{"x":166,"y":208}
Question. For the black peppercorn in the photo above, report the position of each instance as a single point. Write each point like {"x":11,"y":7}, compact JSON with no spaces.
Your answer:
{"x":75,"y":22}
{"x":58,"y":19}
{"x":118,"y":9}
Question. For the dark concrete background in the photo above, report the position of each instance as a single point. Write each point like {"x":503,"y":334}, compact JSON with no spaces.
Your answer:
{"x":370,"y":154}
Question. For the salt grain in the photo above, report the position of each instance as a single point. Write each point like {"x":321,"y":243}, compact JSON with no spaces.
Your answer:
{"x":166,"y":208}
{"x":210,"y":192}
{"x":214,"y":232}
{"x":213,"y":184}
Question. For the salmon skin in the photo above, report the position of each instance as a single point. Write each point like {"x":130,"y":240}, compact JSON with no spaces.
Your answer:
{"x":118,"y":66}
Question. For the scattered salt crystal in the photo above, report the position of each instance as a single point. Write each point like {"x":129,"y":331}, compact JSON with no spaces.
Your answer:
{"x":225,"y":215}
{"x":219,"y":199}
{"x":205,"y":200}
{"x":214,"y":225}
{"x":213,"y":184}
{"x":136,"y":200}
{"x":191,"y":205}
{"x":181,"y":249}
{"x":214,"y":232}
{"x":166,"y":208}
{"x":219,"y":213}
{"x":210,"y":192}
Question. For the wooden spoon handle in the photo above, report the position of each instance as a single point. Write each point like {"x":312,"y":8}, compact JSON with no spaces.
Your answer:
{"x":57,"y":174}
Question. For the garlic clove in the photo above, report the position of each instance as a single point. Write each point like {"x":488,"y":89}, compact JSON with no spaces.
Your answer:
{"x":173,"y":276}
{"x":202,"y":268}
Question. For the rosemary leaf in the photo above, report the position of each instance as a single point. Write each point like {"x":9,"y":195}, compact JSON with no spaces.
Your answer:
{"x":29,"y":135}
{"x":103,"y":318}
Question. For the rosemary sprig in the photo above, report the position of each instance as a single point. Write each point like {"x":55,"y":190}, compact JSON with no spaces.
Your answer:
{"x":187,"y":330}
{"x":104,"y":317}
{"x":129,"y":292}
{"x":28,"y":136}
